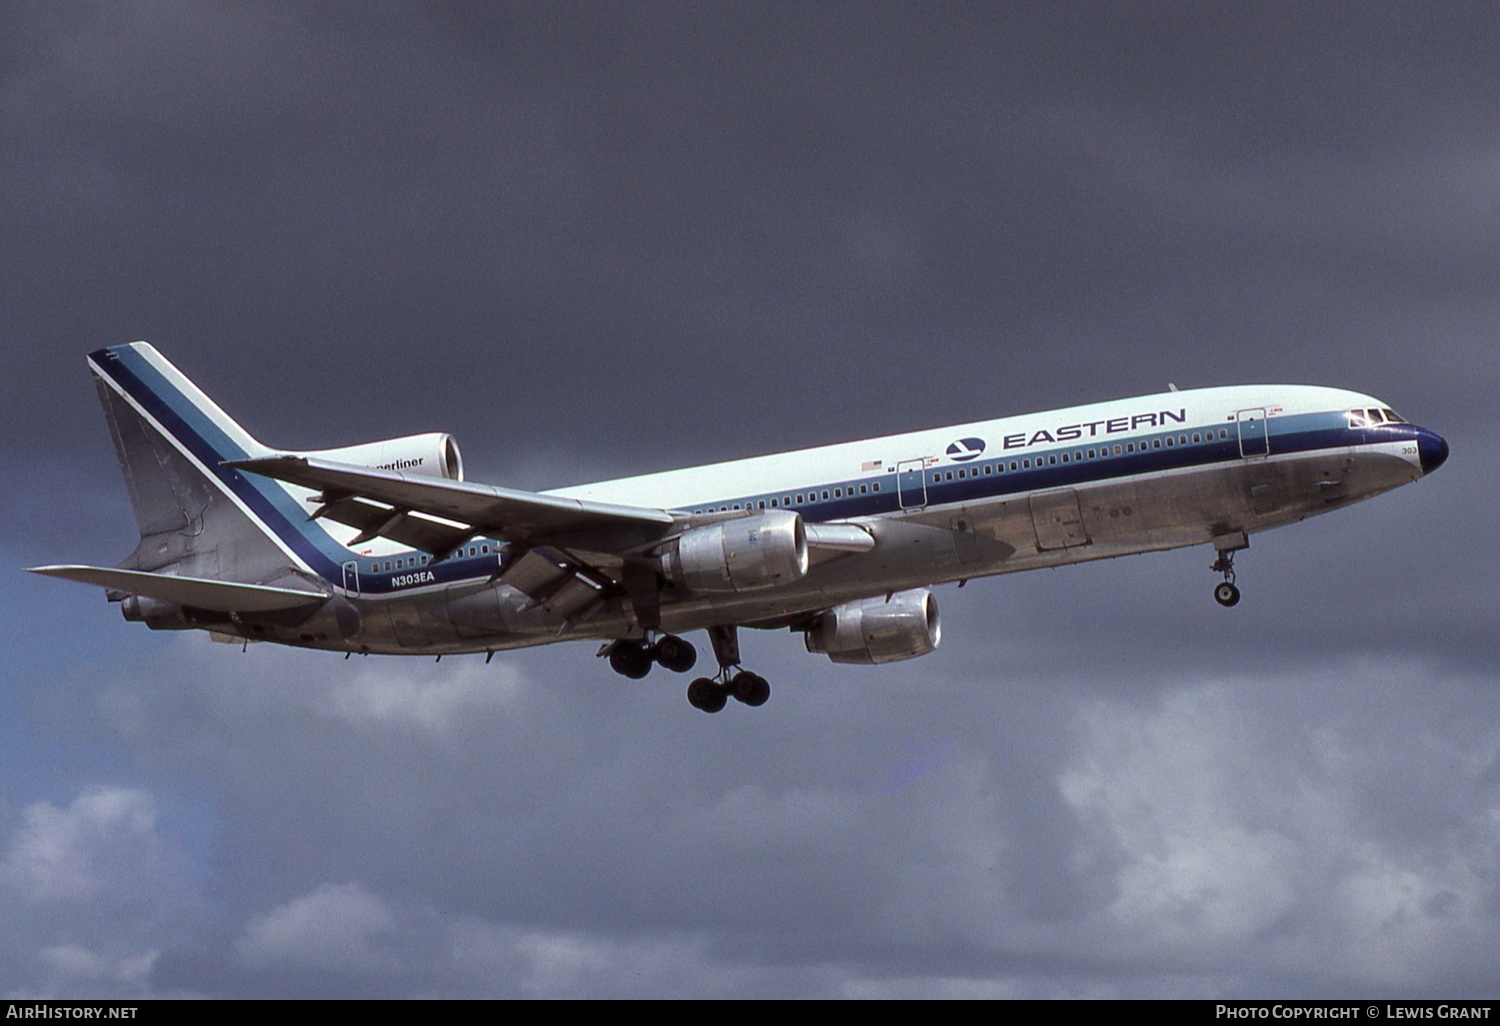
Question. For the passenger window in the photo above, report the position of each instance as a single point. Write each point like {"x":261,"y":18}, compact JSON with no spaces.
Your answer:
{"x":989,"y":468}
{"x":1052,"y":460}
{"x":863,"y":487}
{"x":877,"y":486}
{"x":825,"y":493}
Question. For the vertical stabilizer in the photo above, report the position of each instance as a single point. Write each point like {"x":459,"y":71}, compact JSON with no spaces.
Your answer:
{"x":196,"y":517}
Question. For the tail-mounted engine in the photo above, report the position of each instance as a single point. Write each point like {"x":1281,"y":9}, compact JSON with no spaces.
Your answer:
{"x":739,"y":555}
{"x":878,"y":630}
{"x":434,"y":454}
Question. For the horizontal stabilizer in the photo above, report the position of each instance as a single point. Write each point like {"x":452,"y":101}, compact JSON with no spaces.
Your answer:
{"x":505,"y":513}
{"x":219,"y":596}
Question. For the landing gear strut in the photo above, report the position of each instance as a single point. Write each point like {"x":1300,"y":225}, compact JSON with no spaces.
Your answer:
{"x":712,"y":694}
{"x":1225,"y":593}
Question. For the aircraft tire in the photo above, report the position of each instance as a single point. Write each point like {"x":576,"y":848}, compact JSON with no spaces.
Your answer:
{"x":758,"y":693}
{"x":630,"y":660}
{"x":675,"y":654}
{"x":704,"y":694}
{"x":1226,"y":594}
{"x":742,"y":684}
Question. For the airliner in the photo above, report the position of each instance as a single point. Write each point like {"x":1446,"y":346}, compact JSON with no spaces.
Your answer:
{"x":385,"y":548}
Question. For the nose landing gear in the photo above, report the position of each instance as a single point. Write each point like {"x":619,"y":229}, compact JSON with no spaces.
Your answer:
{"x":1225,"y":593}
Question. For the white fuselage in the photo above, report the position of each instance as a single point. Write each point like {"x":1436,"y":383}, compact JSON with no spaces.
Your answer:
{"x":948,"y":504}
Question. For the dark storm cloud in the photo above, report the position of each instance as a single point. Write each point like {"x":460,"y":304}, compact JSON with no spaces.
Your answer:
{"x":601,"y":239}
{"x":692,"y":205}
{"x":1217,"y":825}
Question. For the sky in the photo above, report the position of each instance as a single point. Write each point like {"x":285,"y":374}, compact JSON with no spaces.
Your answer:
{"x":593,"y":240}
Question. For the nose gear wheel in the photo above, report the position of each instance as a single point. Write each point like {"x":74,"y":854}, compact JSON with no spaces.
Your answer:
{"x":1225,"y":592}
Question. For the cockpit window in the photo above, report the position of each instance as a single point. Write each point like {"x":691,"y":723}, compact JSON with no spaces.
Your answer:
{"x":1373,"y":418}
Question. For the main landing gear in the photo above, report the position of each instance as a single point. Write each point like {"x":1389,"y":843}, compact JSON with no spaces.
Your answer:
{"x":712,"y":694}
{"x":1225,"y":593}
{"x":634,"y":659}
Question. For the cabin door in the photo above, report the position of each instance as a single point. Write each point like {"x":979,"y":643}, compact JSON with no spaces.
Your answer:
{"x":1254,"y":440}
{"x":911,"y":484}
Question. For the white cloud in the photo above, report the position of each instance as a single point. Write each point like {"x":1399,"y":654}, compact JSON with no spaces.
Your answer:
{"x":1235,"y":832}
{"x":337,"y":926}
{"x":90,"y":895}
{"x":73,"y":854}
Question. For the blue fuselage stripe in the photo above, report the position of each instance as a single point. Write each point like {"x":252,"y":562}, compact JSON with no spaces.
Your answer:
{"x":1287,"y":435}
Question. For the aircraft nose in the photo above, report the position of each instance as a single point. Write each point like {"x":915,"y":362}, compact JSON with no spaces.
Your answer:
{"x":1433,"y":450}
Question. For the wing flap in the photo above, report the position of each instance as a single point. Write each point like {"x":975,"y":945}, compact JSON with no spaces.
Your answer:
{"x":405,"y":528}
{"x":218,"y":596}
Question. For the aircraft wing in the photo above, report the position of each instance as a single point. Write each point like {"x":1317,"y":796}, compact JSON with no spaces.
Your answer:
{"x":436,"y":514}
{"x":219,"y":596}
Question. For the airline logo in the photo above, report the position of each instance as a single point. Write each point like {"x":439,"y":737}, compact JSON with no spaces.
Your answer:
{"x":966,"y":449}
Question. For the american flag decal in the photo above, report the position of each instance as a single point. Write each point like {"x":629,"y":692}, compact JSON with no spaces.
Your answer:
{"x":870,"y":465}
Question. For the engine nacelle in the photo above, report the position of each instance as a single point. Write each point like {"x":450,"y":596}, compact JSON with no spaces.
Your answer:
{"x":158,"y":615}
{"x":739,"y":555}
{"x":878,"y":630}
{"x":434,"y":454}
